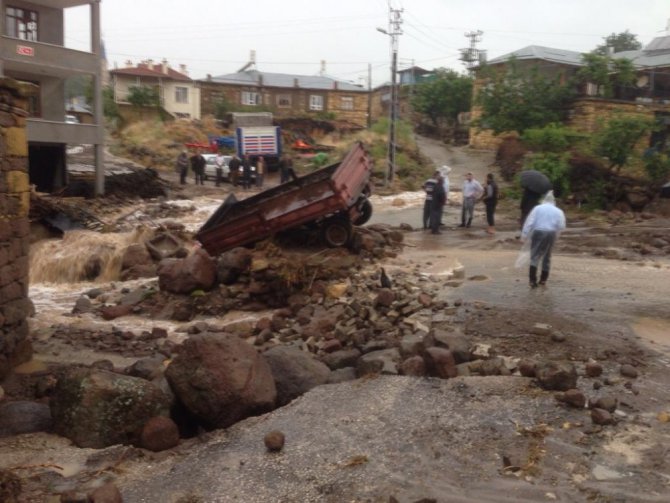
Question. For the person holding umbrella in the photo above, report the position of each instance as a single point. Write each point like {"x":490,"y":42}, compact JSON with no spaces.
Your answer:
{"x":535,"y":184}
{"x":542,"y":227}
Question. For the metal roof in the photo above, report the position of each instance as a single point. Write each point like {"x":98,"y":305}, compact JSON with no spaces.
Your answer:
{"x":253,"y":78}
{"x":544,"y":53}
{"x":642,"y":58}
{"x":659,"y":44}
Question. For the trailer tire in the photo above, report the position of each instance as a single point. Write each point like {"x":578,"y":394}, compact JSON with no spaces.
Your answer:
{"x":337,"y":232}
{"x":366,"y":213}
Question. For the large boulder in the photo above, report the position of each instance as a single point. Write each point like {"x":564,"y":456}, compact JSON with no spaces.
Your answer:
{"x":233,"y":263}
{"x":195,"y":272}
{"x":98,"y":408}
{"x":221,"y":379}
{"x":295,"y":372}
{"x":24,"y":417}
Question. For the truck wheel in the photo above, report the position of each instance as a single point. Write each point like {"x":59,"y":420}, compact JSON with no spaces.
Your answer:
{"x":337,"y":232}
{"x":366,"y":213}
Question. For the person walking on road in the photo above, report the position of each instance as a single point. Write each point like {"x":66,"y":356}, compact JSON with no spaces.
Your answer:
{"x":260,"y":171}
{"x":198,"y":166}
{"x":472,"y":190}
{"x":438,"y":201}
{"x":542,"y":227}
{"x":490,"y":199}
{"x":182,"y":166}
{"x":429,"y":188}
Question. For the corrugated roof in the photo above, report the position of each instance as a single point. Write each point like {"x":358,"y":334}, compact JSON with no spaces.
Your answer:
{"x":642,"y":58}
{"x":544,"y":53}
{"x":252,"y":78}
{"x":659,"y":44}
{"x":142,"y":70}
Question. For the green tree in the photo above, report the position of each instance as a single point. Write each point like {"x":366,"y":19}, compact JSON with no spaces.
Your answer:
{"x":551,"y":138}
{"x":109,"y":106}
{"x":606,"y":72}
{"x":444,"y":96}
{"x":624,"y":41}
{"x":616,"y":140}
{"x":143,"y":96}
{"x":222,"y":108}
{"x":517,"y":100}
{"x":657,"y":166}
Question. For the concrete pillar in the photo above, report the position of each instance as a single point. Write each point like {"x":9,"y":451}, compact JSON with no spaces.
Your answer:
{"x":15,"y":306}
{"x":96,"y":47}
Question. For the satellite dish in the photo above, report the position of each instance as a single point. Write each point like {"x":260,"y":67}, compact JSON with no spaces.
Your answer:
{"x":642,"y":81}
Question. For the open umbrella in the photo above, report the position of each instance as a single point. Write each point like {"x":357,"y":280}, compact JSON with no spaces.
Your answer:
{"x":665,"y":191}
{"x":535,"y":181}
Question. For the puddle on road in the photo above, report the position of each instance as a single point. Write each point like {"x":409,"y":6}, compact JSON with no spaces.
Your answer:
{"x":654,"y":331}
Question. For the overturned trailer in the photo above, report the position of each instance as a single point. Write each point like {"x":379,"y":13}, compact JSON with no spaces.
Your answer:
{"x":330,"y":200}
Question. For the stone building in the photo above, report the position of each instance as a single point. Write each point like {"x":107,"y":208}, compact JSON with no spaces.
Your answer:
{"x":649,"y":97}
{"x":15,"y":306}
{"x":285,"y":95}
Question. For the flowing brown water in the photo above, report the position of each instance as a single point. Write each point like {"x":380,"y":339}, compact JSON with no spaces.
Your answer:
{"x":66,"y":260}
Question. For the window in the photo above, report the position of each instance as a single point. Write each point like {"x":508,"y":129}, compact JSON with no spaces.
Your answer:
{"x":284,"y":100}
{"x":250,"y":98}
{"x":181,"y":94}
{"x":21,"y":23}
{"x":315,"y":102}
{"x":347,"y":103}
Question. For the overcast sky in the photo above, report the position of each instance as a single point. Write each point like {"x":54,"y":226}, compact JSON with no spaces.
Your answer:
{"x":293,"y":36}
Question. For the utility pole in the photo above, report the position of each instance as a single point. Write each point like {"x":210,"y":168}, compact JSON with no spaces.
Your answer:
{"x":395,"y":20}
{"x":471,"y":55}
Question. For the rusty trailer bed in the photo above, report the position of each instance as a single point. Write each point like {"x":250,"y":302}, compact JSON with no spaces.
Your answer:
{"x":333,"y":190}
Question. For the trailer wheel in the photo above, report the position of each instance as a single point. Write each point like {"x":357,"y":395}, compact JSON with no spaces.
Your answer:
{"x":366,"y":213}
{"x":337,"y":232}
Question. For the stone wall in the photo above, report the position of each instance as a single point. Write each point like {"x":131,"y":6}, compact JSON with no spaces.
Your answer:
{"x":15,"y":306}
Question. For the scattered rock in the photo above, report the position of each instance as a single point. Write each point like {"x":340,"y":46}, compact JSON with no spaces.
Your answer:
{"x":593,"y":369}
{"x":526,"y":368}
{"x":440,"y":362}
{"x":159,"y":434}
{"x":274,"y":441}
{"x":572,"y":397}
{"x":556,"y":376}
{"x":541,"y":329}
{"x":607,"y":403}
{"x":413,"y":366}
{"x":601,"y":416}
{"x":107,"y":493}
{"x":10,"y":487}
{"x":628,"y":370}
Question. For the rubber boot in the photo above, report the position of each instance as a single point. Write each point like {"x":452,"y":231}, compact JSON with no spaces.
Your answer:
{"x":532,"y":276}
{"x":544,"y":277}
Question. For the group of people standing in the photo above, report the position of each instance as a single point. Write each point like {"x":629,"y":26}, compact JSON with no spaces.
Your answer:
{"x":541,"y":221}
{"x":437,"y":194}
{"x":240,"y":170}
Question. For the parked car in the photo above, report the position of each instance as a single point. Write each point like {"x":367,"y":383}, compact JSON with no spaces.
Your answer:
{"x":210,"y":167}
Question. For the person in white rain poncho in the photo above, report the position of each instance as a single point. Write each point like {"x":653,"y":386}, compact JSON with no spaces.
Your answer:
{"x":541,"y":229}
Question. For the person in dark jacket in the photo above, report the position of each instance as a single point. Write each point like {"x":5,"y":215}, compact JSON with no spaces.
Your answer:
{"x":429,"y":188}
{"x":198,"y":166}
{"x":490,"y":199}
{"x":437,"y":205}
{"x":246,"y":172}
{"x":234,"y":166}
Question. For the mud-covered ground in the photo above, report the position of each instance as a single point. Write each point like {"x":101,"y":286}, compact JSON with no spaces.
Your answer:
{"x":404,"y":439}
